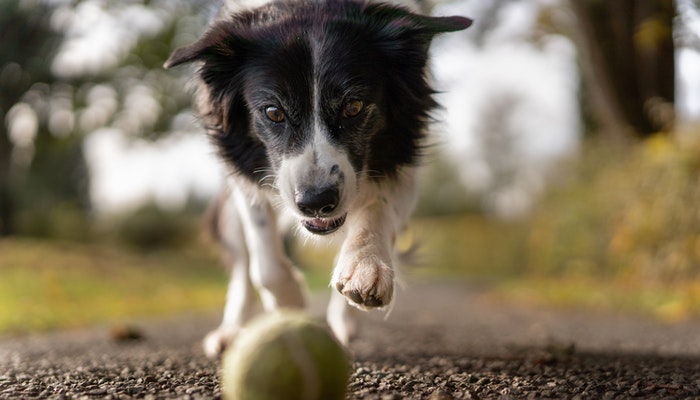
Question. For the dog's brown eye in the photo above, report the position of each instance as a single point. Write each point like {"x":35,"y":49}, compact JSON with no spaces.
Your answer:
{"x":353,"y":108}
{"x":275,"y":114}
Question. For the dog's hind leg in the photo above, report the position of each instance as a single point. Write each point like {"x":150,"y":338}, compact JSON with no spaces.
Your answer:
{"x":278,"y":283}
{"x":240,"y":296}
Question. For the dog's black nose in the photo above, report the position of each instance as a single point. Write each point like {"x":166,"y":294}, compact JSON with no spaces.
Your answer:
{"x":317,"y":203}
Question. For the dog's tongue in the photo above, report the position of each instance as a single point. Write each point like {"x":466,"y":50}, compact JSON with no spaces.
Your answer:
{"x":321,"y":223}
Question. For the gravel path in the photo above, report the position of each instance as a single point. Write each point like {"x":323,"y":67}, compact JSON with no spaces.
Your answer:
{"x":442,"y":341}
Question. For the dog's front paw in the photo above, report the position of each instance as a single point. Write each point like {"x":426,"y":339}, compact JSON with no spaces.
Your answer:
{"x":367,"y":281}
{"x":218,"y":340}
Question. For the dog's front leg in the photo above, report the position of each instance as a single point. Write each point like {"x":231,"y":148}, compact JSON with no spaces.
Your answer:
{"x":364,"y":272}
{"x":271,"y":272}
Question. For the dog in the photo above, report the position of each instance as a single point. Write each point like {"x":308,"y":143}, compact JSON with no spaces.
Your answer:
{"x":319,"y":109}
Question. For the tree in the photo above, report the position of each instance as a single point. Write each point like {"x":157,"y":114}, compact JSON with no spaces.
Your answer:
{"x":628,"y":64}
{"x":117,"y":84}
{"x":25,"y":42}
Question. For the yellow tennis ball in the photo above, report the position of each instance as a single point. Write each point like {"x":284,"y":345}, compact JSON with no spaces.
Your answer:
{"x":285,"y":355}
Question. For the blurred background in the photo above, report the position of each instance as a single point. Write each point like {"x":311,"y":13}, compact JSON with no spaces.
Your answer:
{"x":565,"y":168}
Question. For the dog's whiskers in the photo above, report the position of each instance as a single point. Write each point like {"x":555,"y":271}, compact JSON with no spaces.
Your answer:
{"x":371,"y":174}
{"x":277,"y":203}
{"x":299,"y":232}
{"x":269,"y":180}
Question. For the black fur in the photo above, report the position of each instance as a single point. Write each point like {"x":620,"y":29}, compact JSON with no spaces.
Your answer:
{"x":272,"y":56}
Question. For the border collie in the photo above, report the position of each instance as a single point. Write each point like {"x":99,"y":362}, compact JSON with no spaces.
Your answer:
{"x":319,"y":108}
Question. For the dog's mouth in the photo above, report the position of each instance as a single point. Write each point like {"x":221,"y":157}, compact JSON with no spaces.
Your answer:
{"x":323,"y":226}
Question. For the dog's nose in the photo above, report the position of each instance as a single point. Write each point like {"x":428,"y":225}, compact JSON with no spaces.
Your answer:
{"x":317,"y":203}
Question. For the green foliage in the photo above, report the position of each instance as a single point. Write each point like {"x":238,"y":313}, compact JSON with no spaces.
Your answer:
{"x":60,"y":220}
{"x":152,"y":228}
{"x":27,"y":41}
{"x":441,"y":192}
{"x":629,"y":214}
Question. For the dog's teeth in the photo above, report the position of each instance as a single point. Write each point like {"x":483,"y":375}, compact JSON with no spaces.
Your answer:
{"x":323,"y":226}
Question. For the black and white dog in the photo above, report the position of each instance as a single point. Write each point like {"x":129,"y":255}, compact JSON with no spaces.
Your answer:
{"x":319,"y":109}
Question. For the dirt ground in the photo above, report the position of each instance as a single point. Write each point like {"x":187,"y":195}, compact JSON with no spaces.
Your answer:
{"x":441,"y":341}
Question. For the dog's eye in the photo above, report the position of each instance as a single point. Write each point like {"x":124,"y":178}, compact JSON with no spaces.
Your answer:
{"x":353,"y":108}
{"x":274,"y":114}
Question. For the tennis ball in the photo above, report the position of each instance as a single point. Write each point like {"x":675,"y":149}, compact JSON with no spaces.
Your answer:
{"x":285,"y":355}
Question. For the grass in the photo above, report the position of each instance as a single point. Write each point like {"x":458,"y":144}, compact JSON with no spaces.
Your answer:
{"x":47,"y":284}
{"x":667,"y":303}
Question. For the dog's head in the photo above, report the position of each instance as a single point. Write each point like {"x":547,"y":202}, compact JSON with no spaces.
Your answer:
{"x":314,"y":97}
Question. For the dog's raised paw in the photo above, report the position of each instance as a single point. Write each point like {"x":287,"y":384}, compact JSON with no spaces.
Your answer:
{"x":367,"y":282}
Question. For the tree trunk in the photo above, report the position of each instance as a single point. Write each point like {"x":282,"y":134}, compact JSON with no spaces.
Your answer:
{"x":629,"y":65}
{"x":6,"y":206}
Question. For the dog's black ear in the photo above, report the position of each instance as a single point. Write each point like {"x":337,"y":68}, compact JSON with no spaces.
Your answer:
{"x":184,"y":55}
{"x":398,"y":21}
{"x":218,"y":41}
{"x":435,"y":25}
